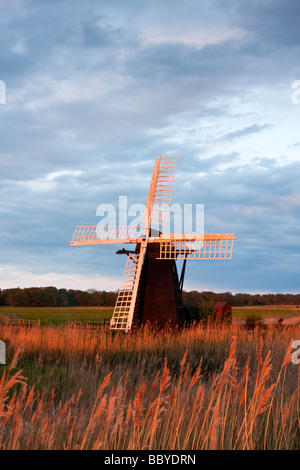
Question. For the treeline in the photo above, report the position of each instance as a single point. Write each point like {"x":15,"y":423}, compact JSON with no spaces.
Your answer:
{"x":53,"y":297}
{"x":240,"y":300}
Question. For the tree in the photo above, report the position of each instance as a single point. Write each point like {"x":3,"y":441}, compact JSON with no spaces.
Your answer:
{"x":62,"y":298}
{"x":203,"y":311}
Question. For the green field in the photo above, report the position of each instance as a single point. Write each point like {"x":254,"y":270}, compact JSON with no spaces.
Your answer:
{"x":57,"y":315}
{"x":266,"y":311}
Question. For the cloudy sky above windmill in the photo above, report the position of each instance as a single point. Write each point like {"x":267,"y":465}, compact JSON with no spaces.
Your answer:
{"x":95,"y":91}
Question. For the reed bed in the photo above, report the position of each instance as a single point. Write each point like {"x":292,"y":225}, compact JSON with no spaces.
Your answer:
{"x":207,"y":387}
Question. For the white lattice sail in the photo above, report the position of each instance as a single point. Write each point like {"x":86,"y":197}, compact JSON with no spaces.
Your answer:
{"x":171,"y":246}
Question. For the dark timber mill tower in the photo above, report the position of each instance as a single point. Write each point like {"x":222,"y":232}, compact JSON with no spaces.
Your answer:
{"x":151,"y":290}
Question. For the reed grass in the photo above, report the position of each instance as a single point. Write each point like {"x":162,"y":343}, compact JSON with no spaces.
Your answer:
{"x":207,"y":387}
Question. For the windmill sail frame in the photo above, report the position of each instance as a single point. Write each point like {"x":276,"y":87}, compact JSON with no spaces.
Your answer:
{"x":150,"y":287}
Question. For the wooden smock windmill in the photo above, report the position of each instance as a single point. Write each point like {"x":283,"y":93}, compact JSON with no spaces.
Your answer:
{"x":151,"y":290}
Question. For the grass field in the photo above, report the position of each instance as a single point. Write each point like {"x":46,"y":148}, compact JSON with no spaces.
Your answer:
{"x":58,"y":315}
{"x":267,"y":311}
{"x":203,"y":388}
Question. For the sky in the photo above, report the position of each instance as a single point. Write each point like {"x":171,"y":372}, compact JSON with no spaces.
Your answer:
{"x":95,"y":91}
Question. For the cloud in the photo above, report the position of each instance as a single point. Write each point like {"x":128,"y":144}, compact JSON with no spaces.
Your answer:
{"x":275,"y":22}
{"x":244,"y":132}
{"x":192,"y":38}
{"x":49,"y":182}
{"x":13,"y":276}
{"x":96,"y":92}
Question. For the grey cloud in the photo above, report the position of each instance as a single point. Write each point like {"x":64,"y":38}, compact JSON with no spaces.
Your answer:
{"x":276,"y":22}
{"x":244,"y":132}
{"x":149,"y":99}
{"x":230,"y":198}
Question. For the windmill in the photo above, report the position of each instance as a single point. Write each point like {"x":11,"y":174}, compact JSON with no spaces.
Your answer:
{"x":151,"y":289}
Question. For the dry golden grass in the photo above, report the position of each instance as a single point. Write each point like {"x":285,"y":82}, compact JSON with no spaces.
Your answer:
{"x":202,"y":388}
